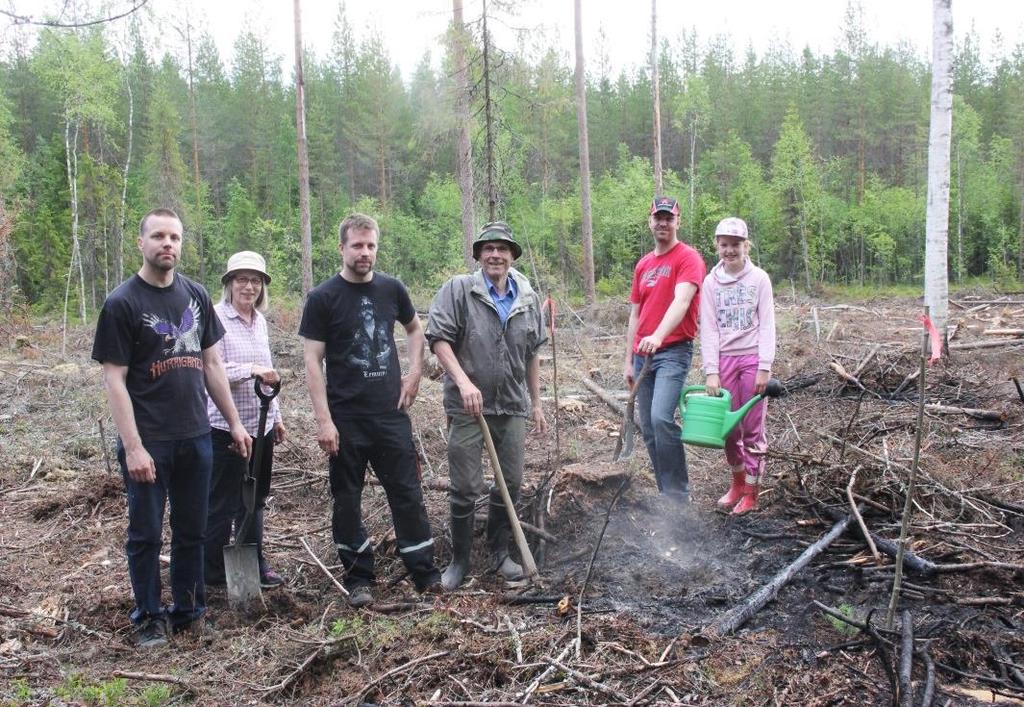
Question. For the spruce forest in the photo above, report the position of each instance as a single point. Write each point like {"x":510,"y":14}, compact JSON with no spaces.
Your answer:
{"x":823,"y":155}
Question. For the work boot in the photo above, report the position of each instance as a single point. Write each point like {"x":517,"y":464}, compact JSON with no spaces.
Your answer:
{"x":735,"y":490}
{"x":748,"y":502}
{"x":462,"y":543}
{"x":499,"y":530}
{"x":360,"y":596}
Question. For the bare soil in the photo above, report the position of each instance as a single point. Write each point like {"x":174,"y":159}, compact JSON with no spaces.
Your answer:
{"x":659,"y":580}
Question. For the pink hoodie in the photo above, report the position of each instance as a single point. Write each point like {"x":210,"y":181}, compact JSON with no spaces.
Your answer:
{"x":737,"y":316}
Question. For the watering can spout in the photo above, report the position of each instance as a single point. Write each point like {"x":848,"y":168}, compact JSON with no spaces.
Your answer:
{"x":731,"y":419}
{"x":774,"y":389}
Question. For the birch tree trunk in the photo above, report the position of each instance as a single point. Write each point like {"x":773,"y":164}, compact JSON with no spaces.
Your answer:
{"x":300,"y":140}
{"x":71,"y":161}
{"x":655,"y":87}
{"x":123,"y":221}
{"x":659,"y":185}
{"x":492,"y":187}
{"x":196,"y":183}
{"x":584,"y":139}
{"x":464,"y":146}
{"x":936,"y":278}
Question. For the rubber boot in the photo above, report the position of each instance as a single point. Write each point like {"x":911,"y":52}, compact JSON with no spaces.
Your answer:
{"x":735,"y":490}
{"x":748,"y":502}
{"x":499,"y":530}
{"x":462,"y":544}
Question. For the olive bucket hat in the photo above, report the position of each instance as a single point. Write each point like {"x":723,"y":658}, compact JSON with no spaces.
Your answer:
{"x":496,"y":231}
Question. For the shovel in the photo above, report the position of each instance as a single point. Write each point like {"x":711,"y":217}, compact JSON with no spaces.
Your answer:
{"x":241,"y":561}
{"x":626,"y":442}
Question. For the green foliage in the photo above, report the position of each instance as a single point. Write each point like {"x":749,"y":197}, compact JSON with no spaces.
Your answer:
{"x":20,"y":690}
{"x":841,"y":626}
{"x":106,"y":693}
{"x":822,"y":154}
{"x":155,"y":695}
{"x":347,"y":625}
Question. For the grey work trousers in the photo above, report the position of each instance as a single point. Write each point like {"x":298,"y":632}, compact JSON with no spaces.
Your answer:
{"x":465,"y":456}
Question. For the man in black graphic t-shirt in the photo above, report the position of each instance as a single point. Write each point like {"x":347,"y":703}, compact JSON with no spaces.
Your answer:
{"x":155,"y":338}
{"x":349,"y":322}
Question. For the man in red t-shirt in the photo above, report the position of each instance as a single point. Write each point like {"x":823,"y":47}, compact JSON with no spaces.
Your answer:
{"x":665,"y":301}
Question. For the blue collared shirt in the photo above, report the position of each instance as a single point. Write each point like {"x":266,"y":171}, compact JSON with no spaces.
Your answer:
{"x":503,"y":303}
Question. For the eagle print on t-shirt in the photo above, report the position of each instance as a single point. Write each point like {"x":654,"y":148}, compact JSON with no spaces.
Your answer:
{"x":183,"y":337}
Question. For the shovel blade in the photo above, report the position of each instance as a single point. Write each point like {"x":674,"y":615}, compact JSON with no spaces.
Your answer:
{"x":242,"y":571}
{"x":626,"y":443}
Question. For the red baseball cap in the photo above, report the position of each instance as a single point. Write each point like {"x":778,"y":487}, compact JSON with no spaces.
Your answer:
{"x":665,"y":203}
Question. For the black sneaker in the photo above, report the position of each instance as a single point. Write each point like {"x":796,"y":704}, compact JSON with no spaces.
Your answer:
{"x":269,"y":579}
{"x":151,"y":633}
{"x":360,"y":596}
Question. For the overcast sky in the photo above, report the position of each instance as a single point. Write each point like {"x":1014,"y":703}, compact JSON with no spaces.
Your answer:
{"x":616,"y":30}
{"x":411,"y":27}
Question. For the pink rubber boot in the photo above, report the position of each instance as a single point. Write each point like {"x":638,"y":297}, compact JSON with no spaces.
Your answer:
{"x":735,"y":490}
{"x":748,"y":502}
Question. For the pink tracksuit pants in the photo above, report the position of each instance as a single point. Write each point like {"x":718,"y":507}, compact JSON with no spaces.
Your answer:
{"x":746,"y":445}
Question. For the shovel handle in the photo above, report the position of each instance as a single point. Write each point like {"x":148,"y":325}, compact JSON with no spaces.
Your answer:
{"x":258,"y":384}
{"x":529,"y":565}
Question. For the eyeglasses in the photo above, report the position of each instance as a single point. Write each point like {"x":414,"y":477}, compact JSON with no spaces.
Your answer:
{"x":256,"y":282}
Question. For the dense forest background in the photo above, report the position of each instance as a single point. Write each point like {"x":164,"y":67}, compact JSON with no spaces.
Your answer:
{"x":823,"y":151}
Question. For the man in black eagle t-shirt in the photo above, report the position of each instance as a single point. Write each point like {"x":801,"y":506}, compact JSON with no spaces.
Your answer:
{"x":349,"y":322}
{"x":155,"y":338}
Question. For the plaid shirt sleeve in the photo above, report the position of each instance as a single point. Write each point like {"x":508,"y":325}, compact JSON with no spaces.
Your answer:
{"x":241,"y":347}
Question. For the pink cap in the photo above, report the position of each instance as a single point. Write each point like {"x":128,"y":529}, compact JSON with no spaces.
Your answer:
{"x":732,"y":226}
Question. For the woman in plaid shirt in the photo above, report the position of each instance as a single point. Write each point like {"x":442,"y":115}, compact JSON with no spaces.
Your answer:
{"x":245,"y":349}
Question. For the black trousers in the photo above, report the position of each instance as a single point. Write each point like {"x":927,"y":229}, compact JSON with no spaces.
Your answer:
{"x":385,"y":442}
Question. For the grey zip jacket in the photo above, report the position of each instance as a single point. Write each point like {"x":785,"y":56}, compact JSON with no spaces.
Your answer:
{"x":495,"y":357}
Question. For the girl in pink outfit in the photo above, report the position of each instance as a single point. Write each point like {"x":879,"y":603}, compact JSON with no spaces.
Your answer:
{"x":737,"y":341}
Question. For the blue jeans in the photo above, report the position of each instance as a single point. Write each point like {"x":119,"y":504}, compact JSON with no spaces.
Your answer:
{"x":183,"y":480}
{"x":657,"y":398}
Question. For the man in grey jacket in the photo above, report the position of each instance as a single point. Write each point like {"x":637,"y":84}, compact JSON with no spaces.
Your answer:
{"x":486,"y":328}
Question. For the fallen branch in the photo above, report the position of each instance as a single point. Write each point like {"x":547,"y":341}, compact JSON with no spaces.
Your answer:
{"x":906,"y":696}
{"x":154,"y":677}
{"x":995,"y":415}
{"x":604,"y":395}
{"x":535,"y":683}
{"x":358,"y":697}
{"x":995,"y":343}
{"x":322,"y":649}
{"x":587,"y":681}
{"x":860,"y":519}
{"x":913,"y":561}
{"x":323,"y":567}
{"x":735,"y":617}
{"x":841,"y":372}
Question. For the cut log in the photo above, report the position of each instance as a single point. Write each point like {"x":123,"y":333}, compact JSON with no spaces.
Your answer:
{"x":1003,"y":332}
{"x":735,"y":617}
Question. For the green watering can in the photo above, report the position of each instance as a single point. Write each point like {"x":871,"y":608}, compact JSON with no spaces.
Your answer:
{"x":708,"y":420}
